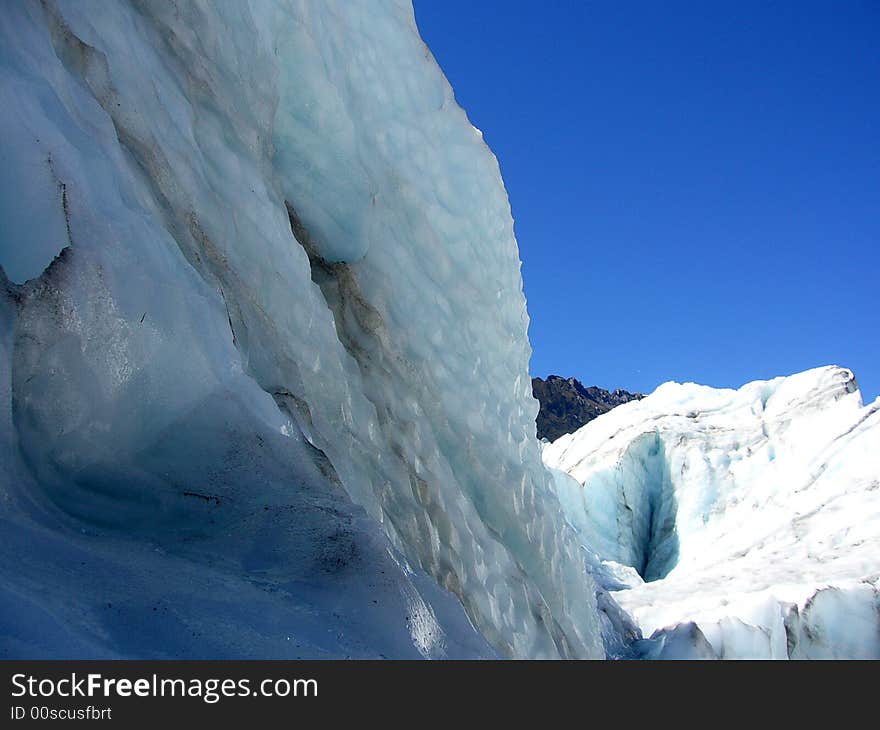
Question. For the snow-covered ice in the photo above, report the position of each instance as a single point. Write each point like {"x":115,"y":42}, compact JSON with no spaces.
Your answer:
{"x":736,"y":523}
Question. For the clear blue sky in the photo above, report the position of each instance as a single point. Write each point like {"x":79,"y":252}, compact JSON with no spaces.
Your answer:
{"x":696,"y":186}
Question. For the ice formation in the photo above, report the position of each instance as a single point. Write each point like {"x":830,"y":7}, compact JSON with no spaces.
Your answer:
{"x":265,"y":362}
{"x":735,"y":523}
{"x":264,"y":382}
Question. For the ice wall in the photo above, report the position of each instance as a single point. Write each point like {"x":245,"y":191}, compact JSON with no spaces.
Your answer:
{"x":758,"y":510}
{"x":286,"y":289}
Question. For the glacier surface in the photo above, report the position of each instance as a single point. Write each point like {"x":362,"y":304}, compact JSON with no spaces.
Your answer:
{"x":265,"y":364}
{"x":735,"y":523}
{"x":264,"y":384}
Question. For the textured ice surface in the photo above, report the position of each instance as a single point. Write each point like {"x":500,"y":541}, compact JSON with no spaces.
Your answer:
{"x":275,"y":384}
{"x":736,"y":523}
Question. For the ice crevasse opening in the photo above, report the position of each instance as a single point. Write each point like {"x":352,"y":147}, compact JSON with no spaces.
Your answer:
{"x":735,"y":523}
{"x":265,"y":354}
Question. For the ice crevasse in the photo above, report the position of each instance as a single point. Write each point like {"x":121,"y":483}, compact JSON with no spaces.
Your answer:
{"x":264,"y":363}
{"x":735,"y":523}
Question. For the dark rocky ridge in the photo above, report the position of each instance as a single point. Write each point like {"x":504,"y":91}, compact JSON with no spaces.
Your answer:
{"x":566,"y":404}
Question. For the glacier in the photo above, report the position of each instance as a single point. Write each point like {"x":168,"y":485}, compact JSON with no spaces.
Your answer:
{"x":264,"y":385}
{"x":735,"y":523}
{"x":265,"y":359}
